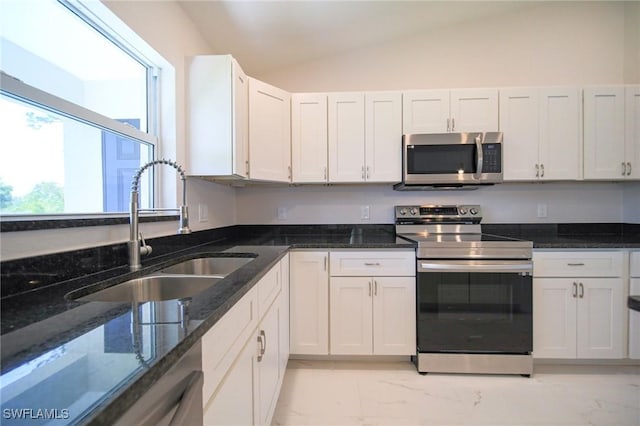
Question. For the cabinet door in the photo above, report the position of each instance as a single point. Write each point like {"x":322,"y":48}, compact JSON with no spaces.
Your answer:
{"x":604,"y":133}
{"x":241,"y":122}
{"x":268,"y":366}
{"x":519,"y":121}
{"x":269,"y":132}
{"x":474,"y":110}
{"x":284,"y":314}
{"x":351,"y":319}
{"x":632,"y":137}
{"x":394,"y":316}
{"x":218,"y":113}
{"x":234,"y":399}
{"x":346,"y":137}
{"x":600,"y":318}
{"x":309,"y":303}
{"x":425,"y":111}
{"x":554,"y":317}
{"x":634,"y":320}
{"x":560,"y":141}
{"x":383,"y":137}
{"x":309,"y":137}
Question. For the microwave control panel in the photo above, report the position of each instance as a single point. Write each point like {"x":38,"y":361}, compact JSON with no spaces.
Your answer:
{"x":491,"y":158}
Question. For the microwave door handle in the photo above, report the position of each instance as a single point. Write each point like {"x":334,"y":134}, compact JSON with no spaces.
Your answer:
{"x":479,"y":156}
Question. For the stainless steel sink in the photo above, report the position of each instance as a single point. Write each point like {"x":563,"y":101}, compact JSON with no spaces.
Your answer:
{"x":209,"y":266}
{"x":153,"y":288}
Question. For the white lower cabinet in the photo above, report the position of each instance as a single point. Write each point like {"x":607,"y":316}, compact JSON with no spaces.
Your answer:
{"x":374,"y":314}
{"x":634,"y":316}
{"x":246,"y":392}
{"x":309,"y":310}
{"x":578,"y":308}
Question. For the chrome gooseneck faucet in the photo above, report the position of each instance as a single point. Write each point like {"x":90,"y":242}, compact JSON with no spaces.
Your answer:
{"x":136,"y":244}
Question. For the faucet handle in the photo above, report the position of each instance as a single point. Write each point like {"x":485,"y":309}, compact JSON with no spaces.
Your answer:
{"x":144,"y":248}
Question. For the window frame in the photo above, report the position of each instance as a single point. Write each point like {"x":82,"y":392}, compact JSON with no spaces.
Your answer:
{"x":101,"y":19}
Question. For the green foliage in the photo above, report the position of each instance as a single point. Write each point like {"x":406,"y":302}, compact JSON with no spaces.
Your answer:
{"x":5,"y":195}
{"x":44,"y":198}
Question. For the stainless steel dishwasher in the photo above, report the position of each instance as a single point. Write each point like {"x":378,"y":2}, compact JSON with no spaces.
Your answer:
{"x":176,"y":399}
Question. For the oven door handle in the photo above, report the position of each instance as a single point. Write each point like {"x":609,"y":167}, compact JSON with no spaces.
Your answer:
{"x":525,"y":267}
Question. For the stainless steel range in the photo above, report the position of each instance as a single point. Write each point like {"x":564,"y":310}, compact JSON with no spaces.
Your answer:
{"x":474,"y":294}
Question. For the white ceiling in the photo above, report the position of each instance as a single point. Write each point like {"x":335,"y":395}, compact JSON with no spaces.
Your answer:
{"x":268,"y":35}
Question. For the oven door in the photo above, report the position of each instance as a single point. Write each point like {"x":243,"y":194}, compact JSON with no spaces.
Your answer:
{"x":474,"y":306}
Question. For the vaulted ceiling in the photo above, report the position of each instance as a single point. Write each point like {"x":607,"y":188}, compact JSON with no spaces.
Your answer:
{"x":268,"y":35}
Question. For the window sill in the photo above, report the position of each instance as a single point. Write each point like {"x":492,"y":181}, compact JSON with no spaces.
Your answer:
{"x":33,"y":223}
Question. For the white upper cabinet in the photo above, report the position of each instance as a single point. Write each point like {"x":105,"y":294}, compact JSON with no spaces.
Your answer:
{"x":269,"y":132}
{"x":383,"y":137}
{"x":309,"y":137}
{"x":632,"y":127}
{"x":541,"y":129}
{"x":604,"y":133}
{"x":218,"y":117}
{"x":364,"y":137}
{"x":443,"y":111}
{"x":346,"y":137}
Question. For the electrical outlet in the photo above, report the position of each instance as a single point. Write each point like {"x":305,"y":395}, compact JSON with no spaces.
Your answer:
{"x":364,"y":212}
{"x":203,"y":213}
{"x":282,"y":213}
{"x":542,"y":210}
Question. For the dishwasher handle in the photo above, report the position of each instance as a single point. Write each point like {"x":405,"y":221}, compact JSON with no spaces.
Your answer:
{"x":499,"y":266}
{"x":191,"y":395}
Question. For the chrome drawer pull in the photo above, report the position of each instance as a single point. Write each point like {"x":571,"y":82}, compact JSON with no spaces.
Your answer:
{"x":371,"y":264}
{"x":575,"y":264}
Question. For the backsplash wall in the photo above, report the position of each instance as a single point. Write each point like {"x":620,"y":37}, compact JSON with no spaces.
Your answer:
{"x":505,"y":203}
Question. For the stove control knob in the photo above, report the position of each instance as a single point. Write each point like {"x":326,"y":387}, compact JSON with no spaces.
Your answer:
{"x":413,"y":212}
{"x":462,"y":211}
{"x":403,"y":212}
{"x":473,"y":211}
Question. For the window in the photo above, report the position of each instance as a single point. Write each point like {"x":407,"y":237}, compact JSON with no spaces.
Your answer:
{"x":77,"y":111}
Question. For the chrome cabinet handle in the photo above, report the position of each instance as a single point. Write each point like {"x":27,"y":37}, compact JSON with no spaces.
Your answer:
{"x":541,"y":170}
{"x":367,"y":172}
{"x":363,"y":177}
{"x":581,"y":291}
{"x":262,"y":339}
{"x":624,"y":168}
{"x":371,"y":263}
{"x":325,"y":263}
{"x":369,"y":288}
{"x":325,"y":173}
{"x":375,"y":287}
{"x":537,"y":170}
{"x":575,"y":290}
{"x":629,"y":168}
{"x":575,"y":264}
{"x":453,"y":124}
{"x":290,"y":173}
{"x":448,"y":124}
{"x":247,"y":164}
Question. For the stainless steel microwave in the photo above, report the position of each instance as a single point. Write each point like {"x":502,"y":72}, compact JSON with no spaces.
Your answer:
{"x":451,"y":159}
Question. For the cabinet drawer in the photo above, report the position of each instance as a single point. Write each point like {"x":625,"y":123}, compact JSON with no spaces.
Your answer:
{"x":635,"y":264}
{"x":578,"y":264}
{"x":372,"y":263}
{"x":223,"y":342}
{"x":268,"y":289}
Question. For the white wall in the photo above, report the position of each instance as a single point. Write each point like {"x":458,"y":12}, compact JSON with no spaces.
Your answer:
{"x":504,"y":203}
{"x":631,"y":211}
{"x":555,"y":43}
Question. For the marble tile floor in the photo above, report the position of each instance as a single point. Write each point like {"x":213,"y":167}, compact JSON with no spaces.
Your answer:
{"x":393,"y":393}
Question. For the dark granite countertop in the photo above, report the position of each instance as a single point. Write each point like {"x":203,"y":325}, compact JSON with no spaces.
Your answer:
{"x":634,"y":303}
{"x":571,"y":235}
{"x":87,"y":357}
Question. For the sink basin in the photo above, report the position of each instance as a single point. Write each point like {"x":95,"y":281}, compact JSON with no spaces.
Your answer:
{"x":209,"y":266}
{"x":153,"y":288}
